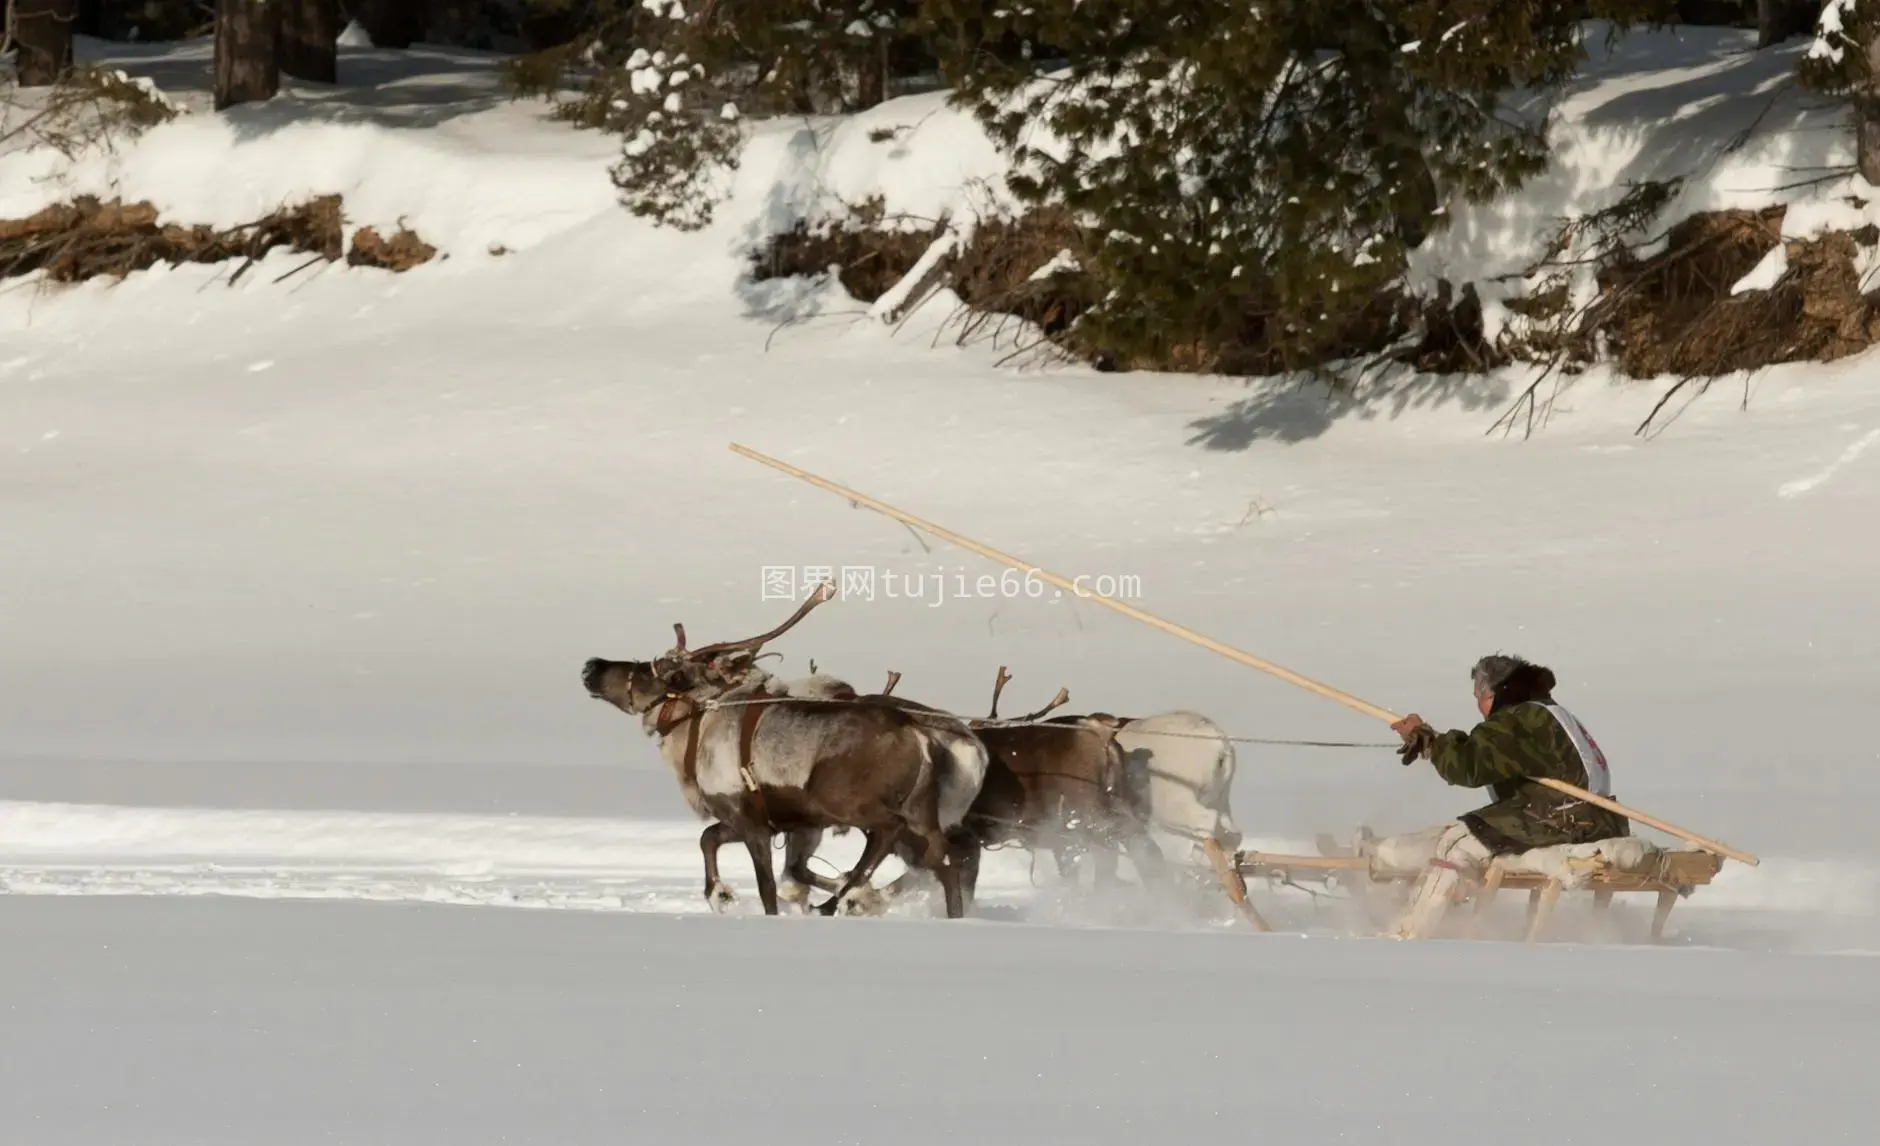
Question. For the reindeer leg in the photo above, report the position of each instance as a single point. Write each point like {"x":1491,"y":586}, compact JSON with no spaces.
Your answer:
{"x":1151,"y":865}
{"x":966,"y":858}
{"x":798,"y":847}
{"x":716,"y":893}
{"x":901,"y":884}
{"x":937,"y":856}
{"x":1069,"y":859}
{"x":875,"y":847}
{"x":907,"y":849}
{"x":757,"y":842}
{"x":949,"y":876}
{"x":796,"y":865}
{"x":911,"y":847}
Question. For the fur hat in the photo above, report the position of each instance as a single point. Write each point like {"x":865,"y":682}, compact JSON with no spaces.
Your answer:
{"x":1511,"y":680}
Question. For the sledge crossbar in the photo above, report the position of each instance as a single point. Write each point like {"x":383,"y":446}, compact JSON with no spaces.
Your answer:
{"x":1673,"y":869}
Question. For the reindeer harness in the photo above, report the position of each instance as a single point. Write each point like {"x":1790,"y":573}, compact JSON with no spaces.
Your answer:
{"x":665,"y":723}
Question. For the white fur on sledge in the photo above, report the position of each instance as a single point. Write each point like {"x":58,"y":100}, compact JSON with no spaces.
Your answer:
{"x":1411,"y":851}
{"x":1627,"y":853}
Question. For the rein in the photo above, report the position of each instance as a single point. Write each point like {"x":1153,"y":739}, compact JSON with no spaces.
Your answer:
{"x":977,"y":722}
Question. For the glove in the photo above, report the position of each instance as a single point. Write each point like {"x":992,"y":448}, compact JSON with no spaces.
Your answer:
{"x":1418,"y":738}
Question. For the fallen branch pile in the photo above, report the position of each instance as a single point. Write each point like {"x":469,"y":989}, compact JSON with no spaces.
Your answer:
{"x":1720,"y":293}
{"x":1675,"y":313}
{"x":1026,"y":281}
{"x":1694,"y":301}
{"x":87,"y":238}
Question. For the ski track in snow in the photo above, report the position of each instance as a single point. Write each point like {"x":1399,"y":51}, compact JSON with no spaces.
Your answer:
{"x":1848,"y":456}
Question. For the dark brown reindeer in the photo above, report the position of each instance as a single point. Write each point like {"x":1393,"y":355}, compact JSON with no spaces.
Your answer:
{"x":1058,"y":785}
{"x":757,"y":760}
{"x":1061,"y":785}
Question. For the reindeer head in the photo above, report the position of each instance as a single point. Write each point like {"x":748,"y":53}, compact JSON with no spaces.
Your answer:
{"x":631,"y":686}
{"x":636,"y":686}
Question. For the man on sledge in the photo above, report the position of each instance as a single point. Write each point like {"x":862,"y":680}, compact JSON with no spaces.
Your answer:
{"x":1524,"y":735}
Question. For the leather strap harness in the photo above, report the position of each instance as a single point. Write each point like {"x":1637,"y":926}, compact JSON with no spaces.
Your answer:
{"x":665,"y":723}
{"x":663,"y":726}
{"x":747,"y":733}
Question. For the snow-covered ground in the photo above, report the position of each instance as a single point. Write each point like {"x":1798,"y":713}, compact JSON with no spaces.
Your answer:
{"x":209,"y":1022}
{"x":296,"y":579}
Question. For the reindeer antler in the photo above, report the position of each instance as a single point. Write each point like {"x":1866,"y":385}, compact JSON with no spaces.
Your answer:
{"x":998,"y":686}
{"x":678,"y":631}
{"x":823,"y":592}
{"x":1063,"y":695}
{"x":894,"y":678}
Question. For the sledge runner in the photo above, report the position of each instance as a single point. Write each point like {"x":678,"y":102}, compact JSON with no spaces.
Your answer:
{"x":1524,"y":734}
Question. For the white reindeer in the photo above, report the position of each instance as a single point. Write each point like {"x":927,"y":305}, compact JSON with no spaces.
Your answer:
{"x":1186,"y":762}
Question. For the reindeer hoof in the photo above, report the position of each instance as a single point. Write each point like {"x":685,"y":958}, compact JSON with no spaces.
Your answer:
{"x":865,"y":901}
{"x":720,"y":898}
{"x":794,"y":894}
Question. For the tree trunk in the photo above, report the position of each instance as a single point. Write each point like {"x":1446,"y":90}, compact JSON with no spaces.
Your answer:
{"x":872,"y":85}
{"x":1770,"y":16}
{"x":310,"y":40}
{"x":392,"y":23}
{"x":42,"y":29}
{"x":1777,"y":20}
{"x":247,"y":44}
{"x":1867,"y":119}
{"x":1867,"y":133}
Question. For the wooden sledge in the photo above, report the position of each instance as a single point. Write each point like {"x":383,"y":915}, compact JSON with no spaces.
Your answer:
{"x":1670,"y":874}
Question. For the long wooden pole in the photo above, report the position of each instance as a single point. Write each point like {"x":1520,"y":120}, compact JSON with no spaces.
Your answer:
{"x":1206,"y":642}
{"x":1048,"y":577}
